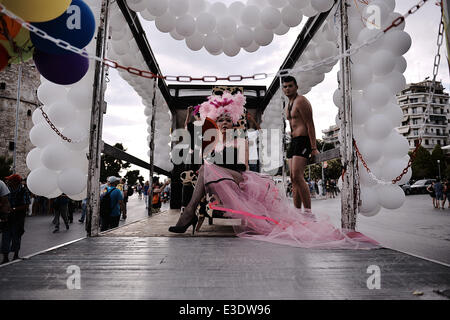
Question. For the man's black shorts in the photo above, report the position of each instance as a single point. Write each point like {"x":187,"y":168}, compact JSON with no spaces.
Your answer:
{"x":300,"y":146}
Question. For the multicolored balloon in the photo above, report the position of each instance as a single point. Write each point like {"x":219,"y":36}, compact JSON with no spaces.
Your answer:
{"x":37,"y":11}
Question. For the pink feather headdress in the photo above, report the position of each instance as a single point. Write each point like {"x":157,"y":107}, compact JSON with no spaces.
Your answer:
{"x":215,"y":106}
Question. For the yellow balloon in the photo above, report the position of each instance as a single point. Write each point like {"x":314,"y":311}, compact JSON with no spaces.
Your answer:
{"x":37,"y":10}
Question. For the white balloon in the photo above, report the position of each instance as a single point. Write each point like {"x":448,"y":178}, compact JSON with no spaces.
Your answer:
{"x":37,"y":116}
{"x":369,"y":199}
{"x":54,"y":194}
{"x":325,"y":50}
{"x":42,"y":135}
{"x":78,"y":134}
{"x":137,"y":5}
{"x":218,"y":9}
{"x":252,"y":48}
{"x":398,"y":42}
{"x":80,"y":196}
{"x":196,"y":7}
{"x":78,"y":160}
{"x":236,"y":8}
{"x":206,"y":23}
{"x":277,"y":3}
{"x":370,"y":149}
{"x":377,"y":94}
{"x":230,"y":48}
{"x":185,"y":26}
{"x":396,"y":145}
{"x":195,"y":42}
{"x":55,"y":156}
{"x":157,"y":7}
{"x":394,"y":113}
{"x":270,"y":18}
{"x":372,"y":213}
{"x":281,"y":29}
{"x":393,"y":167}
{"x":49,"y":92}
{"x":165,"y":23}
{"x":120,"y":47}
{"x":299,"y":4}
{"x":360,"y":112}
{"x":42,"y":181}
{"x":250,"y":16}
{"x":244,"y":36}
{"x":338,"y":99}
{"x":382,"y":62}
{"x":226,"y":26}
{"x":291,"y":17}
{"x":322,"y":5}
{"x":390,"y":196}
{"x":72,"y":181}
{"x":178,"y":8}
{"x":367,"y":34}
{"x":361,"y":76}
{"x":213,"y":43}
{"x":401,"y":64}
{"x":146,"y":15}
{"x":390,"y":4}
{"x":61,"y":113}
{"x":378,"y":127}
{"x":263,"y":37}
{"x":34,"y":159}
{"x":309,"y":11}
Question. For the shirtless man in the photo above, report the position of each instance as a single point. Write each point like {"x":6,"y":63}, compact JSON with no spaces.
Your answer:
{"x":303,"y":142}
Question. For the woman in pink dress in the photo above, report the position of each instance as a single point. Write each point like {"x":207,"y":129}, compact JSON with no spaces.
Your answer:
{"x":254,"y":198}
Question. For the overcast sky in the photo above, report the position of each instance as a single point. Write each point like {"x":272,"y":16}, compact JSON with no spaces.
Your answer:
{"x":125,"y":120}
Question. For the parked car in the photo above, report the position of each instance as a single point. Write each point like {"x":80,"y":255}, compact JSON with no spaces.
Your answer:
{"x":406,"y":188}
{"x":421,"y":186}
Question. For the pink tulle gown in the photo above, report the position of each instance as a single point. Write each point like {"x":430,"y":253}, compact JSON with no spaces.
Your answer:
{"x":268,"y":216}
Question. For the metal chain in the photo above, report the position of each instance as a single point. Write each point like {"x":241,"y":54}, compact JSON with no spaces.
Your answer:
{"x":55,"y":129}
{"x":209,"y":79}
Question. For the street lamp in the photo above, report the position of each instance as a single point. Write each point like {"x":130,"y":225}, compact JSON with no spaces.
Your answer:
{"x":439,"y":167}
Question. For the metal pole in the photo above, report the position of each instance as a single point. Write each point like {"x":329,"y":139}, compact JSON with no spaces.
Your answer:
{"x":16,"y":129}
{"x":350,"y":192}
{"x":152,"y":149}
{"x":95,"y":142}
{"x":439,"y":167}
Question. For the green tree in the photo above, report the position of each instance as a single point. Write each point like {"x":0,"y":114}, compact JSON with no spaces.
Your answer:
{"x":422,"y":165}
{"x":132,"y":177}
{"x":438,"y":154}
{"x":5,"y":166}
{"x":111,"y":166}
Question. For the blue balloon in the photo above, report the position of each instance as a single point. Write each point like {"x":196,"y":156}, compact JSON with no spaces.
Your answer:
{"x":75,"y":26}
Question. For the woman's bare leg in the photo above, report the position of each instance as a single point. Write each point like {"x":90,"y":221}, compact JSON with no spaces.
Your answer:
{"x":199,"y":193}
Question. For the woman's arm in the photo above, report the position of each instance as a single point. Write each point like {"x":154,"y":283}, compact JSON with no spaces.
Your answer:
{"x":188,"y":116}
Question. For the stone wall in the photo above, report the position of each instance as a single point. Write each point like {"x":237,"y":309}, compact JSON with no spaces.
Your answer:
{"x":8,"y":103}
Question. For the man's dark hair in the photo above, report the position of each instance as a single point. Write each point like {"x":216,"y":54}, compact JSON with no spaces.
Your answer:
{"x":290,"y":79}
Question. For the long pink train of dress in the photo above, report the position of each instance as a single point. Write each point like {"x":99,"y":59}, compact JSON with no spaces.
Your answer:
{"x":268,"y":216}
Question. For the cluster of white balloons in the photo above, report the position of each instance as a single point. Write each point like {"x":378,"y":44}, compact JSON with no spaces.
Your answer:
{"x":227,"y":29}
{"x":377,"y":76}
{"x":162,"y":139}
{"x":58,"y":166}
{"x":123,"y":48}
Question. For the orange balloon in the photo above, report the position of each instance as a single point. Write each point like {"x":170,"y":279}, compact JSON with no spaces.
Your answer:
{"x":4,"y":58}
{"x":12,"y":27}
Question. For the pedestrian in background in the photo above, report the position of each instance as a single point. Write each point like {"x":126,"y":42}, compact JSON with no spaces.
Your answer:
{"x":439,"y":191}
{"x":61,"y":208}
{"x":83,"y":210}
{"x":145,"y":191}
{"x":432,"y":193}
{"x":116,"y":202}
{"x":125,"y":197}
{"x":14,"y":228}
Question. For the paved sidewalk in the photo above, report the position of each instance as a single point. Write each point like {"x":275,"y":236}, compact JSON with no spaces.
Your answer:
{"x":38,"y":234}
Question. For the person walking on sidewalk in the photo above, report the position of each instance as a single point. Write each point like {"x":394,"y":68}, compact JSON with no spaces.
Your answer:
{"x":116,"y":203}
{"x":14,"y":228}
{"x":439,"y":191}
{"x":61,"y":209}
{"x":432,"y":193}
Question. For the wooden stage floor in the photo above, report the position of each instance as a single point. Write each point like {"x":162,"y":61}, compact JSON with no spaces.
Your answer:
{"x":126,"y":264}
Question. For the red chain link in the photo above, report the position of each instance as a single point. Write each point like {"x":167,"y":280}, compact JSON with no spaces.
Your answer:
{"x":405,"y":171}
